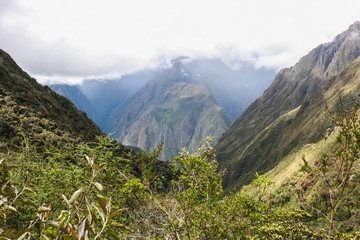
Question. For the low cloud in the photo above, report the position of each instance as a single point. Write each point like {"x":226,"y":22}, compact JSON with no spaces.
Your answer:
{"x":72,"y":40}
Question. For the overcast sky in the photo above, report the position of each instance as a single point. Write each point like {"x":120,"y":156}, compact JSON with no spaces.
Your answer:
{"x":77,"y":39}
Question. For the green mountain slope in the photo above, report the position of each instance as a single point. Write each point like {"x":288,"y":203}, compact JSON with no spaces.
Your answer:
{"x":74,"y":94}
{"x":31,"y":99}
{"x":169,"y":108}
{"x":267,"y":132}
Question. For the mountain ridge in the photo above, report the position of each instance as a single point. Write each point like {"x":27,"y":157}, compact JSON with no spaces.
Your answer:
{"x":292,"y":87}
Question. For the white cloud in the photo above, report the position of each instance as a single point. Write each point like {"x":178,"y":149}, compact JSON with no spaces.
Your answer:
{"x":83,"y":38}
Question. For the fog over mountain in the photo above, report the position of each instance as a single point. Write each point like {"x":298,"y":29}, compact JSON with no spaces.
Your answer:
{"x":123,"y":103}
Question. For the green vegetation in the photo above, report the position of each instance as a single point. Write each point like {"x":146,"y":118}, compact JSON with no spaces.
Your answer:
{"x":258,"y":140}
{"x":103,"y":196}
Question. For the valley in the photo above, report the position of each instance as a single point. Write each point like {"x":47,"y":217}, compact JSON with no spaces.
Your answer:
{"x":229,"y":153}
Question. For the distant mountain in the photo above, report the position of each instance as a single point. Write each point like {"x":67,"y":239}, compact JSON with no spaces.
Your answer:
{"x":78,"y":98}
{"x":168,"y":108}
{"x":232,"y":89}
{"x":106,"y":95}
{"x":290,"y":112}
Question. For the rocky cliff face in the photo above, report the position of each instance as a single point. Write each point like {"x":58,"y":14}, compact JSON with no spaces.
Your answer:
{"x":245,"y":148}
{"x":172,"y":109}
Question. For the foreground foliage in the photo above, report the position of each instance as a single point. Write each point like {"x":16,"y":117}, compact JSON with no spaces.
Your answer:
{"x":99,"y":190}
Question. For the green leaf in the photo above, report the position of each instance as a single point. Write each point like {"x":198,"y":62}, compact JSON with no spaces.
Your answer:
{"x":101,"y":213}
{"x":101,"y":167}
{"x":118,"y":212}
{"x":6,"y":233}
{"x":122,"y":226}
{"x":29,"y":202}
{"x":22,"y":234}
{"x":102,"y":202}
{"x":113,"y":234}
{"x":30,"y":190}
{"x":9,"y":167}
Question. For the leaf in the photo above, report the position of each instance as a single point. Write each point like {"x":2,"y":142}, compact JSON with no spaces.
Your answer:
{"x":44,"y":237}
{"x":108,"y":206}
{"x":55,"y":224}
{"x":101,"y":213}
{"x":4,"y":186}
{"x":81,"y":229}
{"x":113,"y":234}
{"x":30,"y":190}
{"x":11,"y":208}
{"x":9,"y":167}
{"x":73,"y":233}
{"x":90,"y":161}
{"x":43,"y":209}
{"x":102,"y":201}
{"x":7,"y":233}
{"x":28,"y":202}
{"x":74,"y":196}
{"x":117,"y":212}
{"x":3,"y":200}
{"x":3,"y":158}
{"x":22,"y":234}
{"x":98,"y":186}
{"x":122,"y":226}
{"x":66,"y":200}
{"x":86,"y":235}
{"x":101,"y":167}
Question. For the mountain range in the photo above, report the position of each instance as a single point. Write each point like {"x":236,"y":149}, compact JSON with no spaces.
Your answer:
{"x":291,"y":112}
{"x":133,"y":107}
{"x":288,"y":126}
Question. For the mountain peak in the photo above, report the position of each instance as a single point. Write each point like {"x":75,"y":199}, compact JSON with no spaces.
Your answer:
{"x":180,"y":60}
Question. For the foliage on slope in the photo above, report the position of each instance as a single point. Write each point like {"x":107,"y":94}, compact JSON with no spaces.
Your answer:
{"x":303,"y":85}
{"x":42,"y":102}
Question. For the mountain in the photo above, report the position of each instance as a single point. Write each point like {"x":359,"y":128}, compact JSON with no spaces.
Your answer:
{"x":169,"y":108}
{"x":290,"y":112}
{"x":78,"y":98}
{"x":232,"y":89}
{"x":29,"y":105}
{"x":106,"y":95}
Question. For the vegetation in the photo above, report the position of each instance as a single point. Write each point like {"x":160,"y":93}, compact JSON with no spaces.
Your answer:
{"x":104,"y":196}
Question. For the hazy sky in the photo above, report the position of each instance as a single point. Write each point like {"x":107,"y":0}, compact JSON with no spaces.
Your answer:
{"x":76,"y":39}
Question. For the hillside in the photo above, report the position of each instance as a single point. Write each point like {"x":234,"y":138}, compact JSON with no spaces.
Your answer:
{"x":106,"y":95}
{"x":267,"y":132}
{"x":74,"y":94}
{"x":38,"y":102}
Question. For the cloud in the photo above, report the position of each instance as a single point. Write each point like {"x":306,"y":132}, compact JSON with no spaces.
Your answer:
{"x":81,"y":39}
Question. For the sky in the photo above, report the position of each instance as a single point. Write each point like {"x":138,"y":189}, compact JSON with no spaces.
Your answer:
{"x":72,"y":40}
